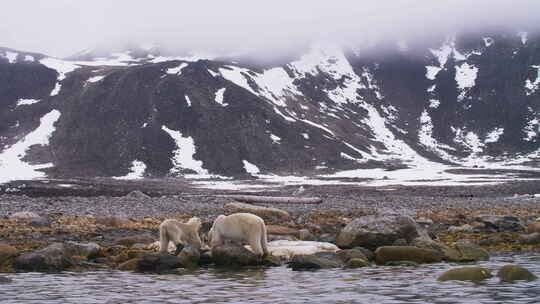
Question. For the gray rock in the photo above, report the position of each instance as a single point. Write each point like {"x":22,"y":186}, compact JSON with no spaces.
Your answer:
{"x":305,"y":235}
{"x":54,"y":257}
{"x":39,"y":222}
{"x":511,"y":273}
{"x":159,"y":262}
{"x":356,"y":263}
{"x":374,"y":231}
{"x":190,"y":256}
{"x":471,"y":252}
{"x":387,"y":254}
{"x":136,"y":194}
{"x":233,"y":255}
{"x":349,"y":254}
{"x":23,"y":215}
{"x":87,"y":250}
{"x":530,"y":239}
{"x":502,"y":223}
{"x":5,"y":280}
{"x":466,"y":274}
{"x":304,"y":262}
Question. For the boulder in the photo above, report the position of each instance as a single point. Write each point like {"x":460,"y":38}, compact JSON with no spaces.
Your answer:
{"x":465,"y":228}
{"x":137,"y":194}
{"x":402,"y":263}
{"x":190,"y":256}
{"x":349,"y":254}
{"x":280,"y":230}
{"x":303,"y":262}
{"x":288,"y":249}
{"x":54,"y":257}
{"x":7,"y":253}
{"x":501,"y":223}
{"x":23,"y":215}
{"x":258,"y":210}
{"x":158,"y":262}
{"x":129,"y":241}
{"x":130,"y":265}
{"x":356,"y":263}
{"x":155,"y":246}
{"x":87,"y":250}
{"x":387,"y":254}
{"x":112,"y":221}
{"x":233,"y":255}
{"x":533,"y":227}
{"x":530,"y":239}
{"x":370,"y":255}
{"x":305,"y":235}
{"x":374,"y":231}
{"x":466,"y":274}
{"x":511,"y":273}
{"x":272,"y":261}
{"x":471,"y":252}
{"x":39,"y":222}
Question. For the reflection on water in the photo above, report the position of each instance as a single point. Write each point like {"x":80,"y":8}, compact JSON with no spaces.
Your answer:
{"x":273,"y":285}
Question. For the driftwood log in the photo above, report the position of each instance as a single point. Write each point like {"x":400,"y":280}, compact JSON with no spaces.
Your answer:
{"x":275,"y":199}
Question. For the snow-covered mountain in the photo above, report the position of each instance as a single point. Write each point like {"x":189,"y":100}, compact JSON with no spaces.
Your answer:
{"x":468,"y":100}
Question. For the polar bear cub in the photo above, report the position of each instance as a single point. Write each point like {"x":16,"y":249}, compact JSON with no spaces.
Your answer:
{"x":240,"y":228}
{"x":180,"y":234}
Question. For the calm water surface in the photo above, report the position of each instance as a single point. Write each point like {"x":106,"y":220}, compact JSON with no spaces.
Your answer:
{"x":274,"y":285}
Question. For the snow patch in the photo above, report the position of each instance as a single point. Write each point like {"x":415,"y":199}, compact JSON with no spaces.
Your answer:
{"x":219,"y":97}
{"x":276,"y":139}
{"x":22,"y":101}
{"x":184,"y":153}
{"x":61,"y":67}
{"x":523,"y":36}
{"x":494,"y":135}
{"x":135,"y":172}
{"x":250,"y":168}
{"x":188,"y":101}
{"x":532,"y":129}
{"x":434,"y":103}
{"x":305,"y":135}
{"x":465,"y":77}
{"x":432,"y":71}
{"x":214,"y":74}
{"x":488,"y":41}
{"x":11,"y":56}
{"x":177,"y":70}
{"x":12,"y":167}
{"x":532,"y":86}
{"x":29,"y":58}
{"x":95,"y":79}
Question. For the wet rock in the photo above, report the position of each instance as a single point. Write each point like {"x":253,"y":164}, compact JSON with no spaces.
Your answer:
{"x":206,"y":258}
{"x":387,"y":254}
{"x":510,"y":273}
{"x":471,"y":252}
{"x":356,"y":263}
{"x":87,"y":250}
{"x":533,"y":227}
{"x":130,"y":265}
{"x":402,"y":263}
{"x":233,"y":255}
{"x":466,"y":274}
{"x":24,"y":215}
{"x":271,"y":261}
{"x":136,"y":194}
{"x":466,"y":228}
{"x":400,"y":242}
{"x":134,"y":239}
{"x":304,"y":262}
{"x":5,"y":280}
{"x":190,"y":256}
{"x":288,"y":249}
{"x":374,"y":231}
{"x":39,"y":222}
{"x":159,"y":262}
{"x":530,"y":239}
{"x":305,"y":235}
{"x":54,"y":257}
{"x":112,"y":221}
{"x":7,"y":253}
{"x":349,"y":254}
{"x":501,"y":223}
{"x":370,"y":255}
{"x":258,"y":210}
{"x":327,"y":238}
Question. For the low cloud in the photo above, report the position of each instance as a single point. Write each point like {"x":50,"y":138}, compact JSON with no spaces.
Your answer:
{"x":63,"y":27}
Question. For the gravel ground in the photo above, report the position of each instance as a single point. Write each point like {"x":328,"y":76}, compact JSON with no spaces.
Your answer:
{"x":108,"y":197}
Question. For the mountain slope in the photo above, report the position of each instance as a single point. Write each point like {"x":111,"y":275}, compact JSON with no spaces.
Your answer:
{"x":464,"y":100}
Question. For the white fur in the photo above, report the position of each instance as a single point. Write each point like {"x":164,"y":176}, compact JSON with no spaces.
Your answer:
{"x":240,"y":228}
{"x":179,"y":233}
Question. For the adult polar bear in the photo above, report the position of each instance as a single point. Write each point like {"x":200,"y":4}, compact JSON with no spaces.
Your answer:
{"x":240,"y":228}
{"x":180,"y":234}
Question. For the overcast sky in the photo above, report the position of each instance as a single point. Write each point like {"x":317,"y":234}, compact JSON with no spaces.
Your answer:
{"x":63,"y":27}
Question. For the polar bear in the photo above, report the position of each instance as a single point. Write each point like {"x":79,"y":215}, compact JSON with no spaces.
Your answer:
{"x":180,"y":234}
{"x":240,"y":228}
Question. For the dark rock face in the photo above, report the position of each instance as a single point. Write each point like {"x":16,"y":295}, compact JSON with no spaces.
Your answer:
{"x":446,"y":100}
{"x":307,"y":262}
{"x":466,"y":274}
{"x":231,"y":255}
{"x":158,"y":263}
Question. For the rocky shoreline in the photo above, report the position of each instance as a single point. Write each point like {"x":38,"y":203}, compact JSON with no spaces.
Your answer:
{"x":110,"y":231}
